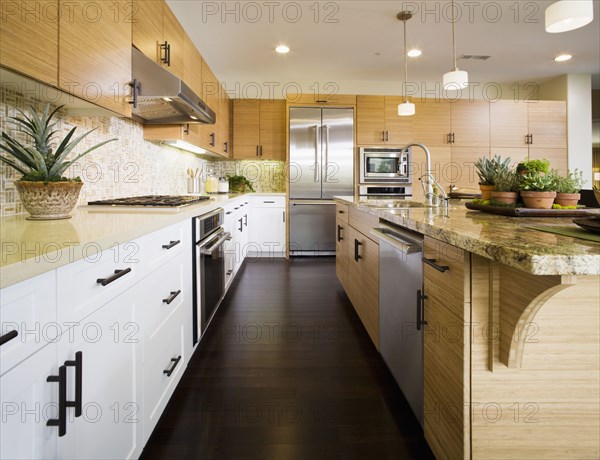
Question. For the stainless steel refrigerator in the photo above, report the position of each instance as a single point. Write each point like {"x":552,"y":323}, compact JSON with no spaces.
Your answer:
{"x":321,"y":166}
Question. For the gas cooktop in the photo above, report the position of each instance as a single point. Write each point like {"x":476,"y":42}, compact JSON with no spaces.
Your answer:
{"x":163,"y":201}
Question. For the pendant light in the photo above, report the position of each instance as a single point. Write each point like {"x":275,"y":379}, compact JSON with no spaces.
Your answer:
{"x":566,"y":15}
{"x":406,"y":108}
{"x":455,"y":79}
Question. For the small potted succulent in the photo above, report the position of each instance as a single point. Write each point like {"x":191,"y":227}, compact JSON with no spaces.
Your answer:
{"x":507,"y":187}
{"x":45,"y":193}
{"x":486,"y":170}
{"x":538,"y":190}
{"x":567,"y":188}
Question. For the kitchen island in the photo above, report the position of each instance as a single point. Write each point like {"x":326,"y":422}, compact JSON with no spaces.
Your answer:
{"x":512,"y":333}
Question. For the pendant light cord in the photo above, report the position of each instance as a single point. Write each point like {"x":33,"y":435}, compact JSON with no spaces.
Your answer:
{"x":453,"y":38}
{"x":405,"y":65}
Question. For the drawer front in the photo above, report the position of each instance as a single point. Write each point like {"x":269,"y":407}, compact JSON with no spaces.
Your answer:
{"x":161,"y":287}
{"x":80,"y":291}
{"x":362,"y":221}
{"x":455,"y":279}
{"x":268,"y":201}
{"x":160,"y":353}
{"x":161,"y":246}
{"x":341,"y":212}
{"x":29,"y":308}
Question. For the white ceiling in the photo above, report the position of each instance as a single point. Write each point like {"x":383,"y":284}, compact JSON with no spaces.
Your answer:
{"x":356,"y":46}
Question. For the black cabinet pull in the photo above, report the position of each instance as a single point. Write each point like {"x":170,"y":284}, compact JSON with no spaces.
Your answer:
{"x":241,"y":221}
{"x":118,"y":274}
{"x":531,"y":139}
{"x":212,"y":139}
{"x":420,"y":310}
{"x":8,"y":337}
{"x":383,"y":136}
{"x":61,"y":421}
{"x":175,"y":362}
{"x":357,"y":244}
{"x":432,"y":263}
{"x":246,"y":220}
{"x":226,"y":146}
{"x":268,"y":202}
{"x":257,"y":150}
{"x":166,"y":49}
{"x":453,"y":138}
{"x":339,"y":233}
{"x":228,"y":212}
{"x":135,"y":85}
{"x":78,"y":365}
{"x":284,"y":217}
{"x":172,"y":297}
{"x":341,"y":212}
{"x":229,"y":272}
{"x":171,"y":244}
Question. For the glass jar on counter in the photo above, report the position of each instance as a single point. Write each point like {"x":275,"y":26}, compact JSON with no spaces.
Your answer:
{"x":212,"y":183}
{"x":223,"y":185}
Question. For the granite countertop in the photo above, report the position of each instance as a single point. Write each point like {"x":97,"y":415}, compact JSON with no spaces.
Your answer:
{"x":30,"y":248}
{"x":503,"y":239}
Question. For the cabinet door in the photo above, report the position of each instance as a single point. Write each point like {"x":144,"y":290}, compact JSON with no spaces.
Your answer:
{"x":225,"y":125}
{"x":211,"y":90}
{"x":111,"y":421}
{"x":28,"y":402}
{"x":508,"y":124}
{"x":370,"y":120}
{"x":267,"y":235}
{"x":431,"y":122}
{"x":470,"y":123}
{"x":341,"y":251}
{"x":246,"y":129}
{"x":174,"y":35}
{"x":272,"y":130}
{"x":192,"y":71}
{"x":100,"y":71}
{"x":548,"y":124}
{"x":557,"y":157}
{"x":399,"y":129}
{"x":147,"y":27}
{"x":29,"y":39}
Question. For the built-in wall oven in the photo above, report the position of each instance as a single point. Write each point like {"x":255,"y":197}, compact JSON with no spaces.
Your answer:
{"x":385,"y":171}
{"x":208,"y":268}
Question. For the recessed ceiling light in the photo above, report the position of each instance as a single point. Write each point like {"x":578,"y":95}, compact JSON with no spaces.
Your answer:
{"x":282,"y":49}
{"x":414,"y":53}
{"x":563,"y":57}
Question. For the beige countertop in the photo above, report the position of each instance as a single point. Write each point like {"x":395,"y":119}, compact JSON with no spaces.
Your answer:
{"x":503,"y":239}
{"x":30,"y":248}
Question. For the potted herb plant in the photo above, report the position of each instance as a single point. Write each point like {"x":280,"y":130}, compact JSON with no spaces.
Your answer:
{"x":45,"y":193}
{"x":507,"y":187}
{"x":533,"y":166}
{"x":537,"y":190}
{"x":486,"y":170}
{"x":239,"y":184}
{"x":567,"y":188}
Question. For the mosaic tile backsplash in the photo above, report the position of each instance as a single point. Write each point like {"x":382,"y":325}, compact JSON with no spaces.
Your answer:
{"x":128,"y":166}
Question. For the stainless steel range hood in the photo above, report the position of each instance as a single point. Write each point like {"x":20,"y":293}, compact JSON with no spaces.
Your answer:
{"x":162,"y":98}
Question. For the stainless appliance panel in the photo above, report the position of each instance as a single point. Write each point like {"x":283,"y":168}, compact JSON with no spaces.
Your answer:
{"x":312,"y":228}
{"x":305,"y":153}
{"x":337,"y":135}
{"x":401,"y":342}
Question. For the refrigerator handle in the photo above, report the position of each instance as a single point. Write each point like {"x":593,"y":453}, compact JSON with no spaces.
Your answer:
{"x":316,"y":153}
{"x":326,"y":160}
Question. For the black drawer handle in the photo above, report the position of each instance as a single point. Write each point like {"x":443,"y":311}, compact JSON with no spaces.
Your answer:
{"x":212,"y":139}
{"x":61,"y":421}
{"x":118,"y":274}
{"x":241,"y":221}
{"x":172,"y":297}
{"x":8,"y":337}
{"x":78,"y":365}
{"x":228,"y":212}
{"x":267,"y":202}
{"x":431,"y":263}
{"x":171,"y":244}
{"x":339,"y":233}
{"x":357,"y":244}
{"x":246,"y":220}
{"x":341,"y":212}
{"x":229,"y":272}
{"x":420,"y":310}
{"x":175,"y":362}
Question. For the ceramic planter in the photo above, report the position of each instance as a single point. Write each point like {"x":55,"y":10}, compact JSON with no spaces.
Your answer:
{"x":505,"y":197}
{"x":48,"y":200}
{"x":567,"y":199}
{"x":486,"y":191}
{"x":538,"y":200}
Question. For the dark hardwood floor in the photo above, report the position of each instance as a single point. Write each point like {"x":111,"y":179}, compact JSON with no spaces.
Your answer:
{"x":286,"y":371}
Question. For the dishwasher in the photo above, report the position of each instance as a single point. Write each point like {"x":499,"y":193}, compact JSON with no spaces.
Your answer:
{"x":400,"y":310}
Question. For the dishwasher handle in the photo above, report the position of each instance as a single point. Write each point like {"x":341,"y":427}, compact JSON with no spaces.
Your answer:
{"x":400,"y":242}
{"x":421,"y":297}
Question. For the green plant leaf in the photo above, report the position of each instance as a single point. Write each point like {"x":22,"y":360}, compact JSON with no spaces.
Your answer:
{"x":18,"y":151}
{"x":14,"y":165}
{"x":63,"y":166}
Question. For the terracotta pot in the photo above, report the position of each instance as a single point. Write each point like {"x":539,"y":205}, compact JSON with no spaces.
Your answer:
{"x":48,"y":200}
{"x":567,"y":199}
{"x":505,"y":197}
{"x":486,"y":191}
{"x":538,"y":200}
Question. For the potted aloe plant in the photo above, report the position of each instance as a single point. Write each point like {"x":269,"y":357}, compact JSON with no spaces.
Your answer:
{"x":507,"y":187}
{"x":567,"y":188}
{"x":538,"y":190}
{"x":486,"y":170}
{"x":45,"y":193}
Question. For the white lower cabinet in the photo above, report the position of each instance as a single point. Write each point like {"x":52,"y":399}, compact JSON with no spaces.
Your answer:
{"x":267,"y":234}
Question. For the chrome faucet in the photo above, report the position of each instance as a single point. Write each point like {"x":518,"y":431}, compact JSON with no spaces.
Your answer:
{"x":427,"y":179}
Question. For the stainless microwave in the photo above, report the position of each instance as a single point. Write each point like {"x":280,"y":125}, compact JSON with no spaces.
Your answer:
{"x":384,"y":165}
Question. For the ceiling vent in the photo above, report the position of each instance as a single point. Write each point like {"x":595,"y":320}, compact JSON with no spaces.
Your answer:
{"x":473,"y":57}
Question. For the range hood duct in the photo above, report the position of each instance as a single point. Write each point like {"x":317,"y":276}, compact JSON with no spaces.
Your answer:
{"x":161,"y":98}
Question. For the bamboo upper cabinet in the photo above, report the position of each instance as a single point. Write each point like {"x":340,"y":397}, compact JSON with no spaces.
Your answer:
{"x":192,"y":71}
{"x":95,"y":52}
{"x":431,"y":122}
{"x":225,"y":147}
{"x":470,"y":123}
{"x":29,"y":42}
{"x":211,"y":93}
{"x":259,"y":129}
{"x":158,"y":34}
{"x":378,"y":122}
